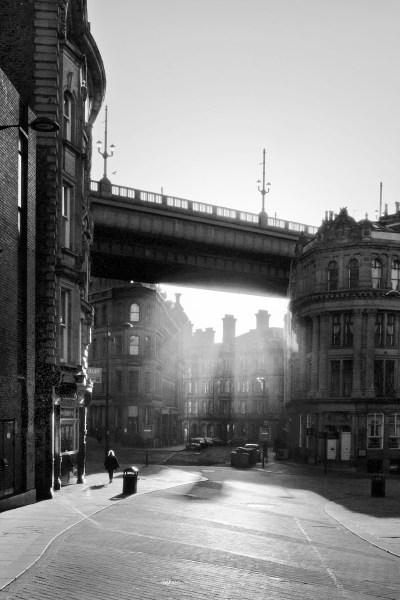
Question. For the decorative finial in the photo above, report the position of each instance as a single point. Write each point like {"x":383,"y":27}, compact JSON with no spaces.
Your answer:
{"x":105,"y":154}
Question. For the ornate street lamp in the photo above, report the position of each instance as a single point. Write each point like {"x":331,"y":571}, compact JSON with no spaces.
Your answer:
{"x":105,"y":154}
{"x":262,"y":190}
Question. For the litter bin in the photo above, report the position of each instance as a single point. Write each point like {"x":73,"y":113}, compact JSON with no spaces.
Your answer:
{"x":378,"y":485}
{"x":130,"y":478}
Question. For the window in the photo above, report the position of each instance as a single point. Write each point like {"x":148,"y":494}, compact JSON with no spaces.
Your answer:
{"x":66,"y":216}
{"x":341,"y":378}
{"x":348,"y":330}
{"x":65,"y":325}
{"x":134,"y":313}
{"x":379,"y":337}
{"x":394,"y":431}
{"x":69,"y":429}
{"x":148,"y":314}
{"x":118,"y":345}
{"x":133,"y":345}
{"x":376,"y":273}
{"x":374,"y":430}
{"x":118,"y":381}
{"x":395,"y":275}
{"x":353,"y":271}
{"x":67,"y":116}
{"x":342,"y":329}
{"x":337,"y":330}
{"x":333,"y":276}
{"x":134,"y":381}
{"x":384,"y":377}
{"x":147,"y":346}
{"x":147,"y":383}
{"x":384,"y":329}
{"x":22,"y":255}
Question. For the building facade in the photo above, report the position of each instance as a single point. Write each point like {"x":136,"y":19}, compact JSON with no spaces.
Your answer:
{"x":344,"y":356}
{"x":49,"y":55}
{"x":233,"y":388}
{"x":138,"y":344}
{"x":17,"y":297}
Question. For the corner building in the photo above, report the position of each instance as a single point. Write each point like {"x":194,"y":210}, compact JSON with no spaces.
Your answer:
{"x":138,"y":342}
{"x":49,"y":55}
{"x":344,"y":328}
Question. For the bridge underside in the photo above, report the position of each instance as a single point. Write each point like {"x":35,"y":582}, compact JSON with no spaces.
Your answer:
{"x":136,"y":256}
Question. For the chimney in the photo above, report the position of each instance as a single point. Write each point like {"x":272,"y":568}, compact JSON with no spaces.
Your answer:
{"x":229,"y":328}
{"x":397,"y":205}
{"x":178,"y":299}
{"x":262,"y":320}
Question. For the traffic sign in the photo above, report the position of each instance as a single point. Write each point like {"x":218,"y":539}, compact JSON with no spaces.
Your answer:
{"x":95,"y":374}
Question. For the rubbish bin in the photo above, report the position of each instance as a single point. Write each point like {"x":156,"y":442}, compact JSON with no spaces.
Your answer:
{"x":378,"y":485}
{"x":130,"y":478}
{"x":242,"y":457}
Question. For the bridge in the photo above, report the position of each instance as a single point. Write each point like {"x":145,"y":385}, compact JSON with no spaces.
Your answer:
{"x":156,"y":238}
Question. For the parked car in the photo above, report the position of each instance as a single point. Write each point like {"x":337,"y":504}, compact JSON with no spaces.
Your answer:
{"x":237,"y":441}
{"x":199,"y":440}
{"x":254,"y":446}
{"x":193,"y":445}
{"x":209,"y":441}
{"x":217,"y":441}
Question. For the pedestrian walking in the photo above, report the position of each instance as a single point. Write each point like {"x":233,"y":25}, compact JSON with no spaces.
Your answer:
{"x":111,"y":464}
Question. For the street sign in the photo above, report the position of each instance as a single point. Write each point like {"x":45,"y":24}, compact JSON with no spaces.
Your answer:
{"x":148,"y":432}
{"x":94,"y":373}
{"x":264,"y":434}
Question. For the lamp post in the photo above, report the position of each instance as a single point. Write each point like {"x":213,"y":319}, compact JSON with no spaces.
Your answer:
{"x":105,"y":154}
{"x":107,"y":399}
{"x":262,"y":190}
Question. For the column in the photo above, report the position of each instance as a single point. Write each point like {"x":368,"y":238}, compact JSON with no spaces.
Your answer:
{"x":323,"y":344}
{"x":356,"y":391}
{"x":369,"y":355}
{"x":314,"y":355}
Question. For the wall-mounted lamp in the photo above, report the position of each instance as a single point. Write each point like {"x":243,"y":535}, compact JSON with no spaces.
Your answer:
{"x":43,"y":124}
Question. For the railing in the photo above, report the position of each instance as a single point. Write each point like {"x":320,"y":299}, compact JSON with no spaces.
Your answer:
{"x":218,"y":212}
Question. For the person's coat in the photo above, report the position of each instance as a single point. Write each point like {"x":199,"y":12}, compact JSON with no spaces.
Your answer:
{"x":111,"y":463}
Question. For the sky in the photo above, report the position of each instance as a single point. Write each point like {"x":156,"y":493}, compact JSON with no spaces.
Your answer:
{"x":196,"y":89}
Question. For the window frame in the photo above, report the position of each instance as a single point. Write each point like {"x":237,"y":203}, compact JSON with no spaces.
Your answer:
{"x":376,"y":280}
{"x":134,"y":342}
{"x":353,"y":272}
{"x":332,"y":282}
{"x":376,"y":432}
{"x":134,"y":313}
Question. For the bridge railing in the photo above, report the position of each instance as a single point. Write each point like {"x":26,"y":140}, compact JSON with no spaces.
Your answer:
{"x":190,"y":206}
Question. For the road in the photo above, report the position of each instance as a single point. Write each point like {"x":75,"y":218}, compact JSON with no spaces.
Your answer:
{"x":245,"y":535}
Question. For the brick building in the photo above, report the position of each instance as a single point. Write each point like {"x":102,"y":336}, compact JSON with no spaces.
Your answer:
{"x":345,"y":326}
{"x":138,"y":342}
{"x":233,"y":388}
{"x":50,"y":57}
{"x":17,"y":299}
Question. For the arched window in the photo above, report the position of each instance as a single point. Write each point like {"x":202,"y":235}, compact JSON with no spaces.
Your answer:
{"x":333,"y":275}
{"x":353,"y":273}
{"x":134,"y":313}
{"x":68,"y":116}
{"x":376,"y":273}
{"x":395,"y":275}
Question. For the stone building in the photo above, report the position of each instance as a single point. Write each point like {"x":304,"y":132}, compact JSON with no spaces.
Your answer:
{"x":17,"y":298}
{"x":138,"y":342}
{"x":50,"y":57}
{"x":233,"y":388}
{"x":344,"y":359}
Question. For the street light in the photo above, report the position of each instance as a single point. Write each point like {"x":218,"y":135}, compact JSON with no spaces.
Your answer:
{"x":107,"y":404}
{"x":42,"y":124}
{"x":105,"y":154}
{"x":262,"y":190}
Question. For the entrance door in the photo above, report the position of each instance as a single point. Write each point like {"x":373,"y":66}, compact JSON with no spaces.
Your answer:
{"x":345,"y":445}
{"x":7,"y":466}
